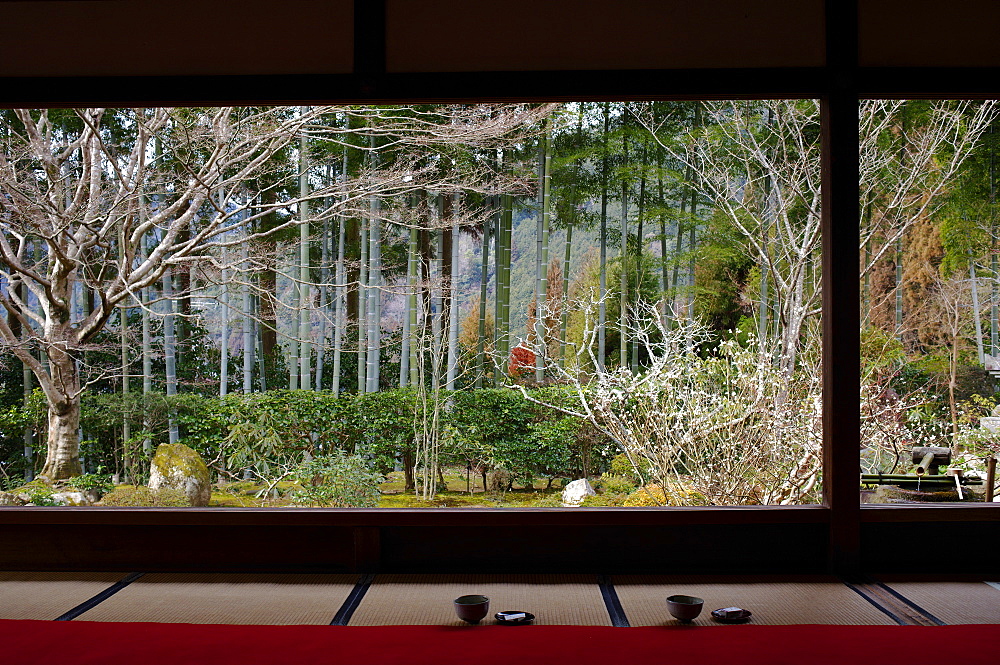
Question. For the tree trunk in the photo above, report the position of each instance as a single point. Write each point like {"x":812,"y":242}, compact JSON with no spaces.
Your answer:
{"x":409,"y":483}
{"x":62,"y":459}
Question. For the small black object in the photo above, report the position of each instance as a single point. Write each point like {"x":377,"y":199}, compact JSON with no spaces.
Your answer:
{"x":731,"y":615}
{"x":514,"y":617}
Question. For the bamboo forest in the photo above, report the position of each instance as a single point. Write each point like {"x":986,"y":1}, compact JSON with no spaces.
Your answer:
{"x":500,"y":305}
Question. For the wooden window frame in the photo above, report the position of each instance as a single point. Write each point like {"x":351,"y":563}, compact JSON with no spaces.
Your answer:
{"x":839,"y":535}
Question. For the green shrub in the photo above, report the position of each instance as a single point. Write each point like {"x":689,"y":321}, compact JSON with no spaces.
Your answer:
{"x":143,"y":497}
{"x":612,"y":484}
{"x":654,"y":495}
{"x":622,"y":467}
{"x":92,"y":481}
{"x":38,"y":492}
{"x":337,"y":480}
{"x":604,"y":500}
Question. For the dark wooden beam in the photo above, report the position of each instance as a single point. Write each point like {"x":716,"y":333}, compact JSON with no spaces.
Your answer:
{"x":929,"y":82}
{"x":841,"y":319}
{"x":368,"y":85}
{"x":430,"y":517}
{"x":369,"y":44}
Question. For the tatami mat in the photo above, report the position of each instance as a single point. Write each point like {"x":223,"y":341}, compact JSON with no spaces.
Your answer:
{"x":427,"y":599}
{"x":954,"y":602}
{"x":772,"y":601}
{"x":46,"y":596}
{"x":223,"y":598}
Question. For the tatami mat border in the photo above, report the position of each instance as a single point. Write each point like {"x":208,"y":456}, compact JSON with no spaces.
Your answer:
{"x":891,"y":602}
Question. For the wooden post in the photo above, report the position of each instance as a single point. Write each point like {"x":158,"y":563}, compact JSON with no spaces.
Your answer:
{"x":991,"y":478}
{"x":841,"y":292}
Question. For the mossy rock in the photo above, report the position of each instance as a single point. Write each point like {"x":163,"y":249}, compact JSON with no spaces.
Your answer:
{"x":176,"y":466}
{"x":38,"y":492}
{"x":142,"y":497}
{"x":11,"y":499}
{"x":38,"y":484}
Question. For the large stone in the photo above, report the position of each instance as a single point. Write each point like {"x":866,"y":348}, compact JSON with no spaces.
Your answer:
{"x":8,"y":499}
{"x":576,"y":491}
{"x":71,"y":499}
{"x":176,"y":466}
{"x":992,"y":424}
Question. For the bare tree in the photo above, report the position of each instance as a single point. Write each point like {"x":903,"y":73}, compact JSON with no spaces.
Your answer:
{"x":76,"y":183}
{"x":760,"y":164}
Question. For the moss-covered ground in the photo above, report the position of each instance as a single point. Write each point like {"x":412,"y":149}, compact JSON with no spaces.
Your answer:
{"x":460,"y":493}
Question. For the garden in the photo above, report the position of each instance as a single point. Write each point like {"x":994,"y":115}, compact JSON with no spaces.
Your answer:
{"x":480,"y":305}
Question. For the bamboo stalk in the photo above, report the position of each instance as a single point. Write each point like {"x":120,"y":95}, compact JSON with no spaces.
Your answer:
{"x":483,"y":283}
{"x":602,"y":314}
{"x":169,"y":351}
{"x":623,"y":257}
{"x":305,"y":296}
{"x":543,"y":258}
{"x":453,"y":320}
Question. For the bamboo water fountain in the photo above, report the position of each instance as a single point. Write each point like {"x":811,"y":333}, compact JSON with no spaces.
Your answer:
{"x":927,"y":483}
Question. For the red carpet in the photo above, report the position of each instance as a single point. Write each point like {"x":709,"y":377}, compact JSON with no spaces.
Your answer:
{"x":86,"y":643}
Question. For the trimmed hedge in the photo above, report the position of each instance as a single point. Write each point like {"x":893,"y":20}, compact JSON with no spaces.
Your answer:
{"x":487,"y":429}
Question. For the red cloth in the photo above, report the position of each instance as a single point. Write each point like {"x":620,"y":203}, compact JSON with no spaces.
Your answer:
{"x":85,"y":643}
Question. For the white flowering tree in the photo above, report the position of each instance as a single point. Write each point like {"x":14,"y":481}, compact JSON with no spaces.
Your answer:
{"x":706,"y":421}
